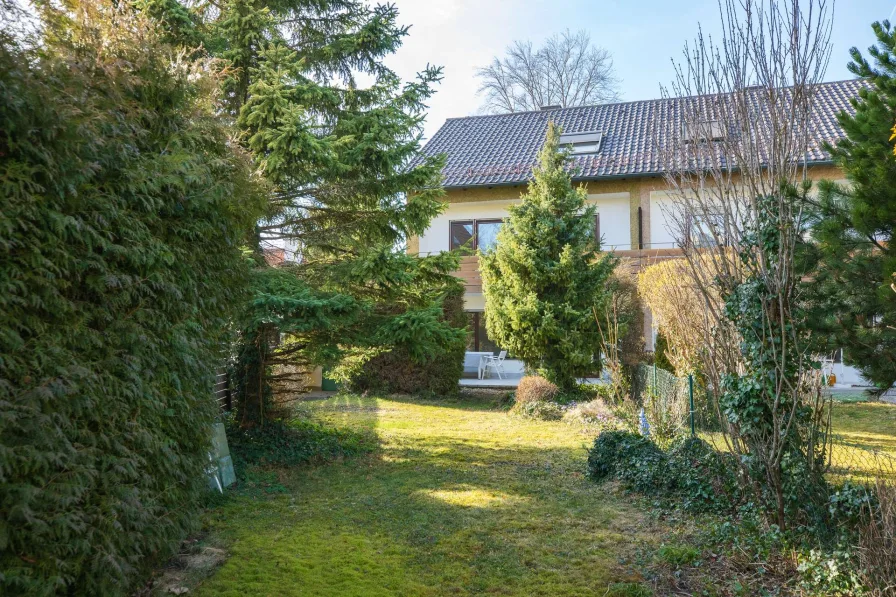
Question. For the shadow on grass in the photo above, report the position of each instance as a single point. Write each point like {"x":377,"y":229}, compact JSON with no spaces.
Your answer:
{"x":455,"y":501}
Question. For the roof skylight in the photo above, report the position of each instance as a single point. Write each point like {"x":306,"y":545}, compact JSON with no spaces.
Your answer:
{"x":582,"y":143}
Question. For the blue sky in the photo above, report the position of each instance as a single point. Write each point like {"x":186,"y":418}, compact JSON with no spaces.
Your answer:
{"x":643,"y":36}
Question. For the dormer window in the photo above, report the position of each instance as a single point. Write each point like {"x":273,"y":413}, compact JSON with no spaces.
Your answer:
{"x":582,"y":143}
{"x":704,"y":130}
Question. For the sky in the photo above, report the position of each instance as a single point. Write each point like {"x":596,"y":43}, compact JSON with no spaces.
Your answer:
{"x":642,"y":35}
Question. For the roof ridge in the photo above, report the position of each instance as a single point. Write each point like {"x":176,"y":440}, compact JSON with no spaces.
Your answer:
{"x":656,"y":99}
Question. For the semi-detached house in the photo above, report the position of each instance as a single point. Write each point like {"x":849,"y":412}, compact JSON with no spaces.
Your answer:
{"x":616,"y":152}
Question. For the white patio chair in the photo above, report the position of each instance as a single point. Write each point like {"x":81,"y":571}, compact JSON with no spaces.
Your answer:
{"x":496,"y":363}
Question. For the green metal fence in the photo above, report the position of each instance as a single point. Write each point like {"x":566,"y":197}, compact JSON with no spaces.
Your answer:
{"x":680,"y":403}
{"x":683,"y":406}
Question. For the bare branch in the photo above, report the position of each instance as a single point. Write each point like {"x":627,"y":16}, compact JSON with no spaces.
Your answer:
{"x":567,"y":71}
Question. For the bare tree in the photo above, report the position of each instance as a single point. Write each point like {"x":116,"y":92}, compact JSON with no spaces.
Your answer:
{"x":567,"y":71}
{"x":733,"y":145}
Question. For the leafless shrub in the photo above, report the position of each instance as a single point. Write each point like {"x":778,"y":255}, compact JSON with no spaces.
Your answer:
{"x":567,"y":71}
{"x":877,"y":541}
{"x":733,"y":147}
{"x":533,"y":388}
{"x":620,"y":323}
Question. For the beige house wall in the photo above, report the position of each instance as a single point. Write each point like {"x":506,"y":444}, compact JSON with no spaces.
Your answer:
{"x":639,"y":191}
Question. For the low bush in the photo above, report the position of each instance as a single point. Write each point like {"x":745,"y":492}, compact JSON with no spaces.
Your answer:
{"x":705,"y":478}
{"x":691,"y":470}
{"x":534,"y":388}
{"x":396,"y":372}
{"x":539,"y":410}
{"x":631,"y":458}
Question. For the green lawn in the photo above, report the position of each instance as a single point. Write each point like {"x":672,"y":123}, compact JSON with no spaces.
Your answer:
{"x":461,"y":498}
{"x":458,"y":498}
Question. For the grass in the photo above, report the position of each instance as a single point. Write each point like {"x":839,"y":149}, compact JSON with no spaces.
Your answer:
{"x":459,"y":499}
{"x":865,"y":443}
{"x":869,"y":424}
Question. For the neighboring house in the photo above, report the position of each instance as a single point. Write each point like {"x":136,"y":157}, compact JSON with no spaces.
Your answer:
{"x":615,"y":152}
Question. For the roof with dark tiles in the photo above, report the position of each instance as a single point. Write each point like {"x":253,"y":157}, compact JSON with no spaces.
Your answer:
{"x":501,"y":149}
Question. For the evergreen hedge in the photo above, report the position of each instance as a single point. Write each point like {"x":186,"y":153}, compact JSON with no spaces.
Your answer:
{"x":121,"y":215}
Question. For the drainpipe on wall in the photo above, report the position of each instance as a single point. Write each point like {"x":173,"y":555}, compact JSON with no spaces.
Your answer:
{"x":640,"y":229}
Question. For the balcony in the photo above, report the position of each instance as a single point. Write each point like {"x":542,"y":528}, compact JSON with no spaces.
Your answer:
{"x":637,"y":258}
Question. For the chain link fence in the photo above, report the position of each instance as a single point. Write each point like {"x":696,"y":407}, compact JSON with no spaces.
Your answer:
{"x":677,"y":406}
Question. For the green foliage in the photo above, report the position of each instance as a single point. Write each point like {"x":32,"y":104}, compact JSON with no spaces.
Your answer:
{"x":783,"y":433}
{"x":631,"y":458}
{"x":436,"y":373}
{"x":705,"y":478}
{"x":349,"y":186}
{"x":698,"y":477}
{"x":544,"y":278}
{"x":660,"y":359}
{"x":122,"y":209}
{"x":678,"y":555}
{"x":291,"y":443}
{"x":853,"y":306}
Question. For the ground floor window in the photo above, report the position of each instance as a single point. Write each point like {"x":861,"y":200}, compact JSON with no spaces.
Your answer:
{"x":478,"y":340}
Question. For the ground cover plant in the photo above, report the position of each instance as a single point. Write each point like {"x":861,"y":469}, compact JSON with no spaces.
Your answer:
{"x":846,"y":555}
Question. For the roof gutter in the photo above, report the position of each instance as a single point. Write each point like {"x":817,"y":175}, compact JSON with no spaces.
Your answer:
{"x":637,"y":175}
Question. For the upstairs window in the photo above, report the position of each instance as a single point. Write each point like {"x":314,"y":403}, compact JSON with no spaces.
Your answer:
{"x":703,"y":130}
{"x":487,"y":234}
{"x":582,"y":143}
{"x":462,"y":236}
{"x":469,"y":235}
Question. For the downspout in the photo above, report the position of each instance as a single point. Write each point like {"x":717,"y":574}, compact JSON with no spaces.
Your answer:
{"x":640,"y":229}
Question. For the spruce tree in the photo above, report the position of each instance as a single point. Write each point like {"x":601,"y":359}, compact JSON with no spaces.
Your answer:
{"x":348,"y":185}
{"x":854,"y":307}
{"x":544,"y":278}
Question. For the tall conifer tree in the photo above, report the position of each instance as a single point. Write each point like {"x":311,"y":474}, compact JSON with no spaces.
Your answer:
{"x":348,"y":184}
{"x":544,"y":277}
{"x":854,"y":306}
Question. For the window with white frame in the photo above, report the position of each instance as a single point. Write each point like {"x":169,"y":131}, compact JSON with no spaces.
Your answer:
{"x":707,"y":230}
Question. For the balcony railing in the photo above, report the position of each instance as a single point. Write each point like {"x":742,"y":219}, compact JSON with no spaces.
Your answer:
{"x":638,"y":258}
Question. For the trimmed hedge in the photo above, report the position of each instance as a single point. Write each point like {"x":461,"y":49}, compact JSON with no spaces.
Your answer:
{"x":121,"y":217}
{"x":395,"y":372}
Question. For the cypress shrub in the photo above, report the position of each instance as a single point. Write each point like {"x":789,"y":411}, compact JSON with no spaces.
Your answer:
{"x":122,"y":212}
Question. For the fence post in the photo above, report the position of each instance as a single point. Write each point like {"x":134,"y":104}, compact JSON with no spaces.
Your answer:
{"x":691,"y":400}
{"x":655,"y":391}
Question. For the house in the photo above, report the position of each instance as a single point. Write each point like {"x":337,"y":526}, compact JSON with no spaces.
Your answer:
{"x":616,"y":154}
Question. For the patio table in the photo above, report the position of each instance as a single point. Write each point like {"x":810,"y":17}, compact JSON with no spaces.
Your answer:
{"x":477,"y":358}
